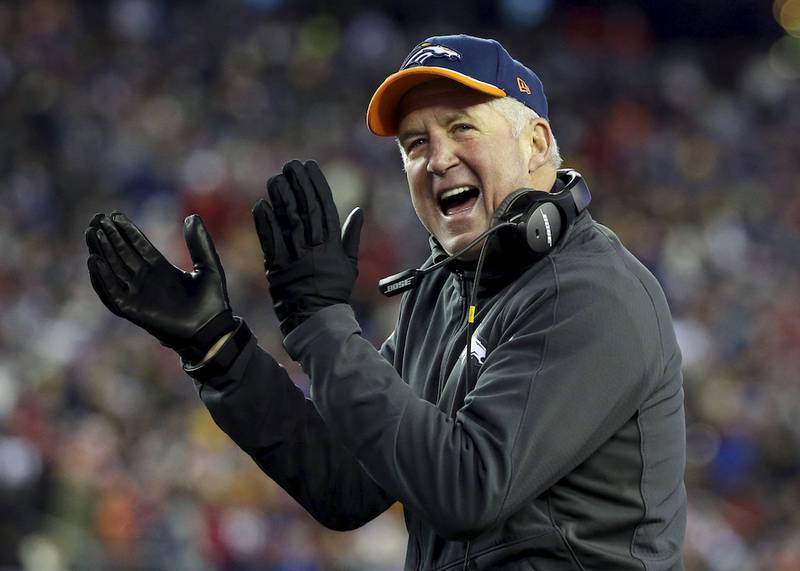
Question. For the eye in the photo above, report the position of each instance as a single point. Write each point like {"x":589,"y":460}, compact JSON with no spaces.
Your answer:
{"x":462,"y":127}
{"x":413,"y":143}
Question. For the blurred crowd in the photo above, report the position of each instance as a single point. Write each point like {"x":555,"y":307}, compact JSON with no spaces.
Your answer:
{"x":108,"y":460}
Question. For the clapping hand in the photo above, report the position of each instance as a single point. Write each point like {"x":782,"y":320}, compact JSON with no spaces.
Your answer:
{"x":186,"y":311}
{"x":311,"y":261}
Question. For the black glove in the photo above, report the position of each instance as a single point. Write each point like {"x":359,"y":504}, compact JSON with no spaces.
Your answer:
{"x":309,"y":266}
{"x":186,"y":311}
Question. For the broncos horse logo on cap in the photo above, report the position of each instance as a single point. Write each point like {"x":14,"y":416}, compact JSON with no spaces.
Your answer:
{"x":425,"y":51}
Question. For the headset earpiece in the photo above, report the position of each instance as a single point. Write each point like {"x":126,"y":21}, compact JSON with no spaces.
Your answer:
{"x":543,"y":228}
{"x":542,"y":217}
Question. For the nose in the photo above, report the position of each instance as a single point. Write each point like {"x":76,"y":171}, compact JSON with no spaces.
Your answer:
{"x":442,"y":156}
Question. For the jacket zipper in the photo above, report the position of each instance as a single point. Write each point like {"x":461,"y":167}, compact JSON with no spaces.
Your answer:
{"x":445,"y":369}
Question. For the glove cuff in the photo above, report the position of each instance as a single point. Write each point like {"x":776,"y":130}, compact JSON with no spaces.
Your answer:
{"x":219,"y":365}
{"x":292,"y":314}
{"x":205,"y":337}
{"x":294,"y":320}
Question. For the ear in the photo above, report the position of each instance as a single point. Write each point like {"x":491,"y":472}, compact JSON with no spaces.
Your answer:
{"x":540,"y":137}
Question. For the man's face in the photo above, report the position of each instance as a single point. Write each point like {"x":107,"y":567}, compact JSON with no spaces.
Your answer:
{"x":462,"y":160}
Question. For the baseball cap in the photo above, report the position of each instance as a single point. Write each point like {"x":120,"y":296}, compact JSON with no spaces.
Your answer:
{"x":481,"y":64}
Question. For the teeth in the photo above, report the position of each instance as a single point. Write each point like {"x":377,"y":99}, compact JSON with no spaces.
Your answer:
{"x":454,"y":191}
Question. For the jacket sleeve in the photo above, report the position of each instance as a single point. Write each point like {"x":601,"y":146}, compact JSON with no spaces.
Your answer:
{"x":255,"y":402}
{"x":568,"y":373}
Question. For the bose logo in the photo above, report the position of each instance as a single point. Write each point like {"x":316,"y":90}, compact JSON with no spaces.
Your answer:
{"x":399,"y":285}
{"x":547,"y":227}
{"x":428,"y":51}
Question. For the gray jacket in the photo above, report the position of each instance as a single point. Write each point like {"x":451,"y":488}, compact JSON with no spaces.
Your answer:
{"x":566,"y":453}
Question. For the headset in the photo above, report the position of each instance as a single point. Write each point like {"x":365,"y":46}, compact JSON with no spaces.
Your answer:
{"x":527,"y":223}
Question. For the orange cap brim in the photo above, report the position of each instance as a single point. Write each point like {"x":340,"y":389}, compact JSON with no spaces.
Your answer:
{"x":382,"y":111}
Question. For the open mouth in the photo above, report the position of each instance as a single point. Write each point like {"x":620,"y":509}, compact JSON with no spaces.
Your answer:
{"x":459,"y":199}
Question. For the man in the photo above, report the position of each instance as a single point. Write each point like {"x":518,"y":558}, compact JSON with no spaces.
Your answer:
{"x":556,"y":442}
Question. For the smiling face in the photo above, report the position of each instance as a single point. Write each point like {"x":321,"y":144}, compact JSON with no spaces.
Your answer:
{"x":462,"y":160}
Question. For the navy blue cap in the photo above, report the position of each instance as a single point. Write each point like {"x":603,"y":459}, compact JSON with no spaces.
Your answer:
{"x":481,"y":64}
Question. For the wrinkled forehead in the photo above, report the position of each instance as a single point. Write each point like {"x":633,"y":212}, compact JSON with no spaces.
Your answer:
{"x":440,"y":93}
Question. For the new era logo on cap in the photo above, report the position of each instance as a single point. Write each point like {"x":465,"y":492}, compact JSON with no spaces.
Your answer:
{"x":480,"y":64}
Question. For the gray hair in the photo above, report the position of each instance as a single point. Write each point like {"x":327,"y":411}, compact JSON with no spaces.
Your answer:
{"x":518,"y":116}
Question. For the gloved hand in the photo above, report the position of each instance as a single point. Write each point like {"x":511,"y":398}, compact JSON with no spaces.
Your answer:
{"x":186,"y":311}
{"x":309,"y":266}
